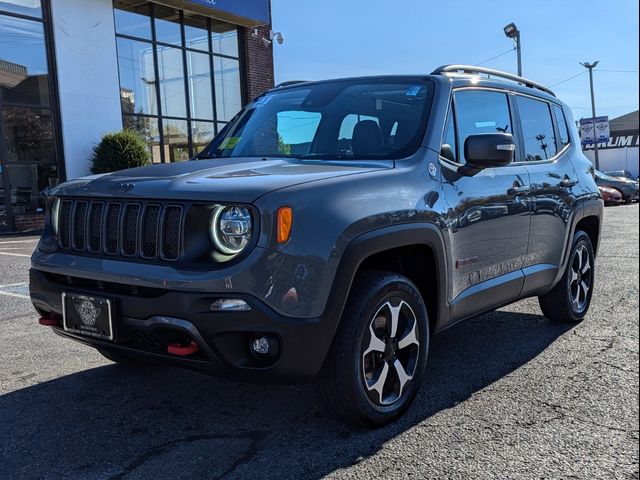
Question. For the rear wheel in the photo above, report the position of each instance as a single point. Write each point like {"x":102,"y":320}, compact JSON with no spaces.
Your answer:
{"x":570,"y":299}
{"x":378,"y":358}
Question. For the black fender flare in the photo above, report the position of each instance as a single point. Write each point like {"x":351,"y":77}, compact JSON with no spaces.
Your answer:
{"x":386,"y":238}
{"x":589,"y":207}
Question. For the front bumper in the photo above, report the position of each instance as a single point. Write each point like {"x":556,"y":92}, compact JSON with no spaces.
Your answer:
{"x":147,"y":319}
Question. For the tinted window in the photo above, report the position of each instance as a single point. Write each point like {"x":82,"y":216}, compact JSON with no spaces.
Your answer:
{"x":563,"y":141}
{"x":481,"y":111}
{"x":537,"y":129}
{"x":448,"y":149}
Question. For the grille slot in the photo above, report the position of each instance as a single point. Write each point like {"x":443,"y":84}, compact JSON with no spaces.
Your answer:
{"x":64,"y":234}
{"x":171,"y":228}
{"x":112,"y":228}
{"x":149,"y":231}
{"x":119,"y":228}
{"x":95,"y":227}
{"x":130,"y":230}
{"x":79,"y":225}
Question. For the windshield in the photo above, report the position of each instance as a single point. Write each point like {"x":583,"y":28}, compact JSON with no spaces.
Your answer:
{"x":347,"y":119}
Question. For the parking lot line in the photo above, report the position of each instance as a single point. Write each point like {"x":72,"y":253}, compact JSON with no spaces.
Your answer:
{"x":19,"y":241}
{"x":15,"y":254}
{"x":18,"y":295}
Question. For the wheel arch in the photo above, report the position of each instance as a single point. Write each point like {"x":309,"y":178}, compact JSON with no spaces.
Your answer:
{"x":391,"y":248}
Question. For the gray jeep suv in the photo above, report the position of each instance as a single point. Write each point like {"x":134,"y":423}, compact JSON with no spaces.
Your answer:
{"x":327,"y":232}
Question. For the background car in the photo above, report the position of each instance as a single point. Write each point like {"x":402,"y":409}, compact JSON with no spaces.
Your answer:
{"x":621,"y":173}
{"x":627,"y":188}
{"x":611,"y":196}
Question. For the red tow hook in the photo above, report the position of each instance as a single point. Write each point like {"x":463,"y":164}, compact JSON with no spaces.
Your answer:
{"x":49,"y":321}
{"x":183,"y":350}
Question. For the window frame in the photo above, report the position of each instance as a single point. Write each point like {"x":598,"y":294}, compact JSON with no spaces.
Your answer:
{"x":516,"y":124}
{"x":218,"y":125}
{"x":453,"y":108}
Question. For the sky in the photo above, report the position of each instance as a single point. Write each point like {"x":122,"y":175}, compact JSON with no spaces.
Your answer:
{"x":341,"y":38}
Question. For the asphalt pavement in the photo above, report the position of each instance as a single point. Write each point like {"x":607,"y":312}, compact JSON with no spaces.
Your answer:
{"x":508,"y":395}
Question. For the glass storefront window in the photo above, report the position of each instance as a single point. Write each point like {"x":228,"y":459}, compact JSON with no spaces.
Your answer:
{"x":201,"y":134}
{"x":195,"y":32}
{"x":30,"y":155}
{"x":167,"y":21}
{"x":181,"y":112}
{"x":201,"y":98}
{"x":132,"y":19}
{"x":227,"y":84}
{"x":28,"y":152}
{"x":31,"y":8}
{"x":224,"y":38}
{"x":24,"y":75}
{"x":137,"y":77}
{"x":148,"y":128}
{"x":176,"y":140}
{"x":172,"y":92}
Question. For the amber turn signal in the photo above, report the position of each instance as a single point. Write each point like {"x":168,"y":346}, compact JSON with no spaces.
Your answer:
{"x":285,"y":219}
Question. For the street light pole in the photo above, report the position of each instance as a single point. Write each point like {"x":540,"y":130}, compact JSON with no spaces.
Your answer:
{"x":590,"y":67}
{"x":519,"y":53}
{"x":512,"y":31}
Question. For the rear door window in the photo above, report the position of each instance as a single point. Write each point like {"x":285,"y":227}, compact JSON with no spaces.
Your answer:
{"x":481,"y":111}
{"x":563,"y":130}
{"x":537,"y":129}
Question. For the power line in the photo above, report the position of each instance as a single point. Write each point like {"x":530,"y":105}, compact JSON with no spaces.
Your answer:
{"x":494,"y":57}
{"x":570,"y":78}
{"x":616,"y":71}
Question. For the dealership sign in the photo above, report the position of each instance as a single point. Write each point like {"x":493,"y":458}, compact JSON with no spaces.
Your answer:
{"x":620,"y":139}
{"x":590,"y":135}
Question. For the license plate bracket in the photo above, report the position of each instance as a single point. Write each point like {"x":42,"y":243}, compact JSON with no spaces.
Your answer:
{"x":88,"y":316}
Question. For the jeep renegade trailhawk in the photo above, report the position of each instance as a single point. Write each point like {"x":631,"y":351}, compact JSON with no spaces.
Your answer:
{"x":327,"y":232}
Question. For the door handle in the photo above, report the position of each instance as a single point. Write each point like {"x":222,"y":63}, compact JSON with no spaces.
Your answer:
{"x":521,"y":190}
{"x":568,"y":182}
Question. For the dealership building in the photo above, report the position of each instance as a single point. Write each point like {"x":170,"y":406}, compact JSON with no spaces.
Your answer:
{"x":622,"y":151}
{"x":72,"y":70}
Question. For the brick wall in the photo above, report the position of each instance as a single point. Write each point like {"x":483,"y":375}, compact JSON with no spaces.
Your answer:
{"x":28,"y":221}
{"x":258,"y":62}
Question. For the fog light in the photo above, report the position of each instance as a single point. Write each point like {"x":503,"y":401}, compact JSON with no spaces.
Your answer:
{"x":260,"y":346}
{"x":264,"y":346}
{"x":230,"y":305}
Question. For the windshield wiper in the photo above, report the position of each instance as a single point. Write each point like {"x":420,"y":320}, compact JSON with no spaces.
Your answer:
{"x":201,"y":156}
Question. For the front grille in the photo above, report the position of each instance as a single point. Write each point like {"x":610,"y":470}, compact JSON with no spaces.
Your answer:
{"x":120,"y":228}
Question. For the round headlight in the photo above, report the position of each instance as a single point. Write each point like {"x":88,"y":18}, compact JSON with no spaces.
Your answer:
{"x":230,"y":229}
{"x":55,"y":215}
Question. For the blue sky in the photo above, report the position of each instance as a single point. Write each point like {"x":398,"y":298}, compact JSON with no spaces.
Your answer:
{"x":331,"y":38}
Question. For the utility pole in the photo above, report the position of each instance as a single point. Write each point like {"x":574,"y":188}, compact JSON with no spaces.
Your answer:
{"x":512,"y":31}
{"x":590,"y":67}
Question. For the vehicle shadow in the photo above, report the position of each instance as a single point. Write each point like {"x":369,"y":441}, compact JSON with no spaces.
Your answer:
{"x":119,"y":422}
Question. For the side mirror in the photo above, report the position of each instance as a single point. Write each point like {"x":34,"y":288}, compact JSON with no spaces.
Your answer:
{"x":489,"y":150}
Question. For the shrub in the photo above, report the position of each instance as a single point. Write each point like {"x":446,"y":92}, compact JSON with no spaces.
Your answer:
{"x":120,"y":150}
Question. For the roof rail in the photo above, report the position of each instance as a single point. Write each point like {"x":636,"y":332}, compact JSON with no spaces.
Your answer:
{"x":488,"y":71}
{"x":290,"y":82}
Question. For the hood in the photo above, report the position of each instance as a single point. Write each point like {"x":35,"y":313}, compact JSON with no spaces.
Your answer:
{"x":227,"y":180}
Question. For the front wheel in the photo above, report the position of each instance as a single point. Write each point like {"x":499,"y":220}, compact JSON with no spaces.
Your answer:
{"x":570,"y":299}
{"x":378,"y":358}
